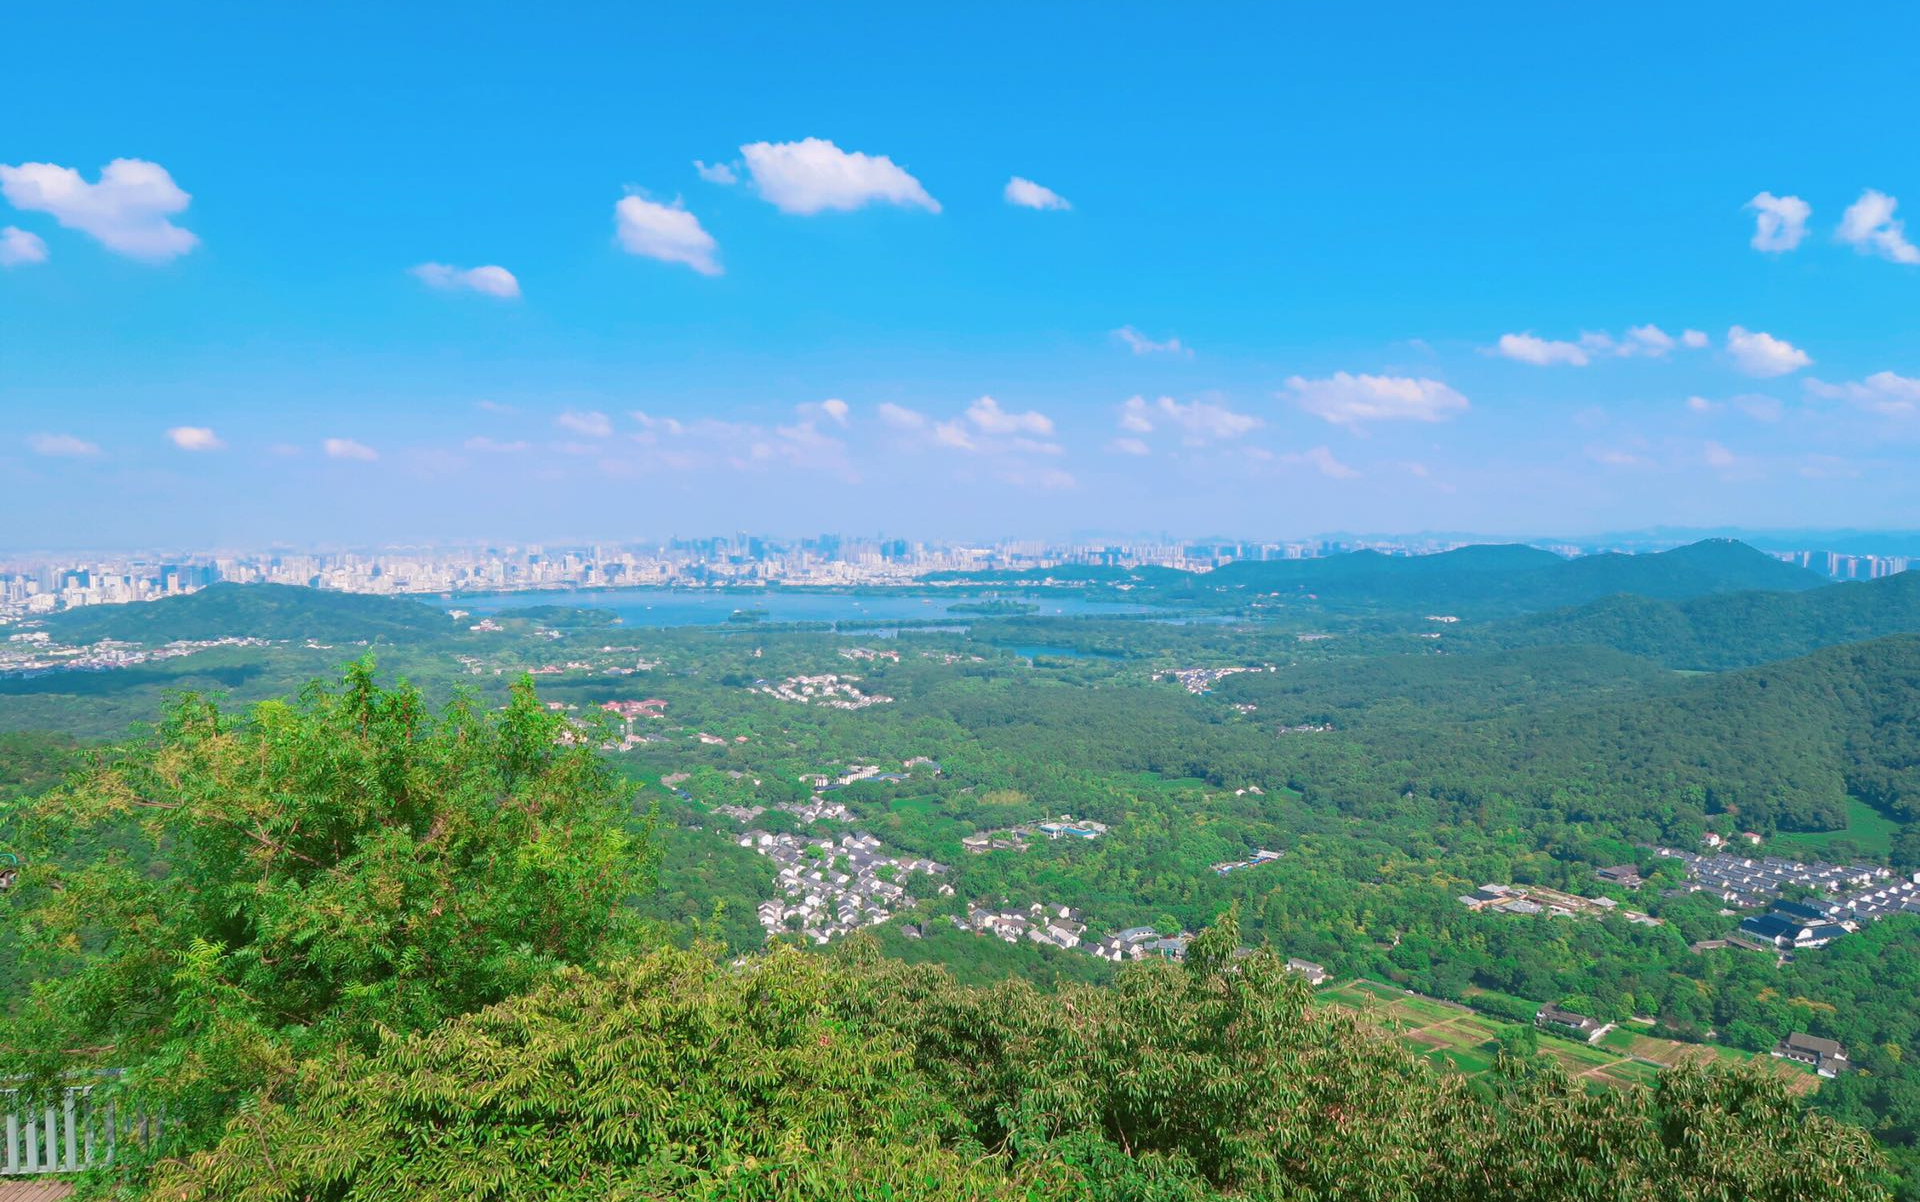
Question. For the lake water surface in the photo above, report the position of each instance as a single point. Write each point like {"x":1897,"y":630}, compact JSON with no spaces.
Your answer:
{"x":712,"y":607}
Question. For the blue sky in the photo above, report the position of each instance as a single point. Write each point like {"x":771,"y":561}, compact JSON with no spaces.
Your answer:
{"x":1376,"y":270}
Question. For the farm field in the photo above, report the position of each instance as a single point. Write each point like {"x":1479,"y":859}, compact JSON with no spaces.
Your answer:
{"x":1462,"y":1039}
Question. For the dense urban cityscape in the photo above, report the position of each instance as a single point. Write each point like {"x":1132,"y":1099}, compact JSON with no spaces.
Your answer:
{"x":45,"y":584}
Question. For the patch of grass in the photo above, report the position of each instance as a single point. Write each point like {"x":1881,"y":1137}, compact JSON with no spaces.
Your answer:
{"x":1867,"y":828}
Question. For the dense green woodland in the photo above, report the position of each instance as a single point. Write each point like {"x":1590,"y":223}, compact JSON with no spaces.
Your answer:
{"x":419,"y":939}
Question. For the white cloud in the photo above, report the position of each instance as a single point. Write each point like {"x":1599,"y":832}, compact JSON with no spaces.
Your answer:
{"x":1198,"y":421}
{"x":1129,"y":446}
{"x":1718,"y":456}
{"x":347,"y":448}
{"x":1140,"y":344}
{"x":1352,"y":399}
{"x":127,"y":211}
{"x":833,"y":409}
{"x":665,"y":232}
{"x":813,"y":175}
{"x":195,"y":438}
{"x":1700,"y":404}
{"x":1870,"y":227}
{"x":585,"y":421}
{"x":490,"y":280}
{"x":1647,"y":341}
{"x":1614,"y":457}
{"x":900,"y":417}
{"x":1029,"y":195}
{"x":19,"y":247}
{"x":1322,"y":460}
{"x":716,"y":173}
{"x":65,"y":446}
{"x":493,"y":446}
{"x":494,"y":407}
{"x":1882,"y":392}
{"x":955,"y":435}
{"x":987,"y":414}
{"x":1541,"y":352}
{"x":1759,"y":354}
{"x":1779,"y":222}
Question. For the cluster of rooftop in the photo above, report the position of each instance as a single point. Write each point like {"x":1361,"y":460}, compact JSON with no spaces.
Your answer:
{"x":833,"y":888}
{"x":1260,"y":856}
{"x":1202,"y":680}
{"x":827,"y":689}
{"x":1048,"y":925}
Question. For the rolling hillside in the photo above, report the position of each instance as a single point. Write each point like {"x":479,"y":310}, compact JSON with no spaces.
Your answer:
{"x":1730,"y":630}
{"x":266,"y":611}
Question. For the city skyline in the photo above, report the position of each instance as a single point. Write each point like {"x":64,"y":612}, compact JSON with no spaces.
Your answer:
{"x":1200,"y":276}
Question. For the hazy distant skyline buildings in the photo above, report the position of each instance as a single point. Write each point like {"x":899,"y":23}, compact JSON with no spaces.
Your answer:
{"x":1211,"y":274}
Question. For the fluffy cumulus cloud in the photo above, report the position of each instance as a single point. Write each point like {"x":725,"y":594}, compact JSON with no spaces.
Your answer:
{"x":195,"y":438}
{"x":1029,"y":195}
{"x":665,"y":232}
{"x":1870,"y":227}
{"x":1353,"y":400}
{"x":1130,"y":446}
{"x":1197,"y":422}
{"x":489,"y":280}
{"x":587,"y":422}
{"x":1779,"y":222}
{"x":1761,"y":354}
{"x":832,"y":409}
{"x":1648,"y":341}
{"x":347,"y":448}
{"x":813,"y":176}
{"x":1140,"y":344}
{"x":127,"y":210}
{"x":62,"y":446}
{"x":716,"y":173}
{"x":1883,"y":392}
{"x":19,"y":247}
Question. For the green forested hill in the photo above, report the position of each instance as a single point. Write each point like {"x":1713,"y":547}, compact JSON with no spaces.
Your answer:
{"x":1729,"y":630}
{"x":1490,"y":580}
{"x":265,"y":611}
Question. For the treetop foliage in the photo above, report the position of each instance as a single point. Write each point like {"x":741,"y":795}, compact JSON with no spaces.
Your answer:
{"x":345,"y":865}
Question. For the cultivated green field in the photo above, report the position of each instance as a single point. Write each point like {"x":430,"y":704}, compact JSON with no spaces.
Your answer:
{"x":1466,"y":1041}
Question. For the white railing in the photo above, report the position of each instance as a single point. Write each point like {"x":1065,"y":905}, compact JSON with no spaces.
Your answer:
{"x":67,"y":1136}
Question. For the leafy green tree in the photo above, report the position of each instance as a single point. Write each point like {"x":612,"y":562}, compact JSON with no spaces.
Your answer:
{"x":342,"y":866}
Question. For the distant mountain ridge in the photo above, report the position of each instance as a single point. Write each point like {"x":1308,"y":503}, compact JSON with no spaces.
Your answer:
{"x":263,"y":611}
{"x":1719,"y":631}
{"x":1495,"y":579}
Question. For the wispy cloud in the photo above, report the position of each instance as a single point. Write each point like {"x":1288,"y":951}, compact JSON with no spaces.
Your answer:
{"x":20,"y":247}
{"x":665,"y":232}
{"x":1648,"y":341}
{"x":1197,"y":422}
{"x":1140,"y":344}
{"x":1354,"y":400}
{"x":62,"y":446}
{"x":347,"y":448}
{"x":588,"y":422}
{"x":1883,"y":393}
{"x":489,"y":280}
{"x":195,"y":438}
{"x":1029,"y":195}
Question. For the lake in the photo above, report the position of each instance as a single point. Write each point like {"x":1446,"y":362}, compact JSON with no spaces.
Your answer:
{"x":712,"y":607}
